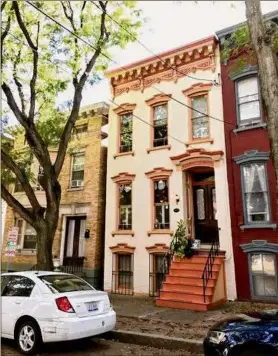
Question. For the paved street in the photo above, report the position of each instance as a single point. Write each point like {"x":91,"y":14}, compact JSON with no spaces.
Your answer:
{"x":94,"y":348}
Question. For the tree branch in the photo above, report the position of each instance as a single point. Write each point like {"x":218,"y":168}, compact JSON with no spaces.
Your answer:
{"x":81,"y":13}
{"x":21,"y":176}
{"x":4,"y":3}
{"x":18,"y":84}
{"x":4,"y":35}
{"x":22,"y":26}
{"x":103,"y":38}
{"x":17,"y":206}
{"x":34,"y":78}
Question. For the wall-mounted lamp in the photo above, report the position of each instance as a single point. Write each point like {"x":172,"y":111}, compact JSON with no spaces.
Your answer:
{"x":87,"y":234}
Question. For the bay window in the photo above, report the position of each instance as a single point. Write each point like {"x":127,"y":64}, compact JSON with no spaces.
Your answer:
{"x":126,"y":125}
{"x":125,"y":206}
{"x":160,"y":126}
{"x":255,"y":193}
{"x":248,"y":101}
{"x":161,"y":204}
{"x":200,"y":121}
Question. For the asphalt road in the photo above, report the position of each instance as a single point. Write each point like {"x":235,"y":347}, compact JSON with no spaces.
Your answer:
{"x":94,"y":348}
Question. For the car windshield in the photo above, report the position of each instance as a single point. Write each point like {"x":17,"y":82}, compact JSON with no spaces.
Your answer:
{"x":60,"y":283}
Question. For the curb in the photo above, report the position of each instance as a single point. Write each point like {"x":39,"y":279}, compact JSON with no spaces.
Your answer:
{"x":155,"y":340}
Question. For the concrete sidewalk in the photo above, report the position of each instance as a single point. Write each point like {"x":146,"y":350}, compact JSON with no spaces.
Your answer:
{"x":139,"y":314}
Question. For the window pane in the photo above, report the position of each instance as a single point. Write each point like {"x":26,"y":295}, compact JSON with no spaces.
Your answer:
{"x":200,"y":204}
{"x":161,"y":191}
{"x":30,"y":237}
{"x":126,"y":133}
{"x":60,"y":283}
{"x":248,"y":99}
{"x":125,"y":271}
{"x":263,"y":275}
{"x":160,"y":136}
{"x":162,"y":217}
{"x":78,"y":162}
{"x":160,"y":115}
{"x":18,"y":287}
{"x":199,"y":103}
{"x":78,"y":175}
{"x":256,"y":192}
{"x":125,"y":207}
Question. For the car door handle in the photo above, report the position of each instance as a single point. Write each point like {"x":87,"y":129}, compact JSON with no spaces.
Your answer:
{"x":17,"y":302}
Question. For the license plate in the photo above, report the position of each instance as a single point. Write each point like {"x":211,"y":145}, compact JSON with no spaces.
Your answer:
{"x":92,"y":306}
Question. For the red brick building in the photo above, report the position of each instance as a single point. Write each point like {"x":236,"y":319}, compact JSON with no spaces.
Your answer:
{"x":251,"y":180}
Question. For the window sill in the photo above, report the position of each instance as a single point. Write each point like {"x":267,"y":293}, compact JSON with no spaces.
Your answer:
{"x":75,"y":189}
{"x":198,"y":141}
{"x":26,"y":251}
{"x":123,"y":232}
{"x":250,"y":127}
{"x":166,"y":147}
{"x":120,"y":154}
{"x":259,"y":226}
{"x":160,"y":232}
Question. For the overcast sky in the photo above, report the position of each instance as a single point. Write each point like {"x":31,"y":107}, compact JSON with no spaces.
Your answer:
{"x":172,"y":24}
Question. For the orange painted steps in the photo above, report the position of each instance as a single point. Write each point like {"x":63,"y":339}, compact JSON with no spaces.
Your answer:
{"x":186,"y":288}
{"x":185,"y":297}
{"x":191,"y":273}
{"x":194,"y":266}
{"x":189,"y":280}
{"x":177,"y":304}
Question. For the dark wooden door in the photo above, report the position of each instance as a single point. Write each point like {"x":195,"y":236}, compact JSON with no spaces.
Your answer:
{"x":206,"y":228}
{"x":72,"y":253}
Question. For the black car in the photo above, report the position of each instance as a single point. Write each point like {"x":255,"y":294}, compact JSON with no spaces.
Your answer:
{"x":253,"y":334}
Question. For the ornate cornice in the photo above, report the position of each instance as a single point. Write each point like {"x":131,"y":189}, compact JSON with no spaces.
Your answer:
{"x":158,"y":99}
{"x":251,"y":156}
{"x":122,"y":247}
{"x":124,"y":108}
{"x":159,"y":173}
{"x":123,"y":178}
{"x":173,"y":65}
{"x":259,"y":246}
{"x":197,"y":89}
{"x":198,"y":157}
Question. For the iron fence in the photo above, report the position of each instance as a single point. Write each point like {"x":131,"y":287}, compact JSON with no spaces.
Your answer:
{"x":159,"y":268}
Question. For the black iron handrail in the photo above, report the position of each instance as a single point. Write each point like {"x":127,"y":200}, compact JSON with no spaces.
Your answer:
{"x":207,"y":272}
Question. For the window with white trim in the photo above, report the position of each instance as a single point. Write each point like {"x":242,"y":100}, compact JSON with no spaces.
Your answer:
{"x":125,"y":206}
{"x":161,"y":204}
{"x":77,"y":170}
{"x":256,"y":193}
{"x":263,"y":274}
{"x":27,"y":235}
{"x":248,"y":101}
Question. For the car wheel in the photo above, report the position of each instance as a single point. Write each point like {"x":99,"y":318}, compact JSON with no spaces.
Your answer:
{"x":28,"y":337}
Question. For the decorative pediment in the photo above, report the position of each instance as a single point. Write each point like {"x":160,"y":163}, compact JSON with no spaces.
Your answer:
{"x":122,"y":248}
{"x":123,"y":178}
{"x":169,"y":66}
{"x":124,"y":108}
{"x":158,"y":99}
{"x":197,"y":89}
{"x":197,"y":157}
{"x":159,"y":173}
{"x":158,"y":248}
{"x":260,"y":246}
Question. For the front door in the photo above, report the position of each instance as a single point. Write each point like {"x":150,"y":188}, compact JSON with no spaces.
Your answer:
{"x":204,"y":201}
{"x":74,"y":243}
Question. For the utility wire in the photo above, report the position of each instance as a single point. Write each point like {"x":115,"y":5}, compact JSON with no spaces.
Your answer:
{"x":147,"y":49}
{"x":122,"y":67}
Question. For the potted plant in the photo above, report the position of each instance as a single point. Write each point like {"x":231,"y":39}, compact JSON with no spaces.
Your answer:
{"x":56,"y":262}
{"x":181,"y":245}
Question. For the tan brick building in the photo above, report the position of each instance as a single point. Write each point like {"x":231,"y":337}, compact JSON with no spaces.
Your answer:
{"x":82,"y":203}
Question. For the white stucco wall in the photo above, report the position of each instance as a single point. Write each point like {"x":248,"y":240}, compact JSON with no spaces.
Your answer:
{"x":143,"y":162}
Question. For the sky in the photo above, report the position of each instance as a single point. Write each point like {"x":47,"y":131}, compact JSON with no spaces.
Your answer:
{"x":171,"y":24}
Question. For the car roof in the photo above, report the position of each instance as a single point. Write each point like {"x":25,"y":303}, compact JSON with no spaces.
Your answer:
{"x":33,"y":274}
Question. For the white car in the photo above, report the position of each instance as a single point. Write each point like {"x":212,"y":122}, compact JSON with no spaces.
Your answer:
{"x":51,"y":306}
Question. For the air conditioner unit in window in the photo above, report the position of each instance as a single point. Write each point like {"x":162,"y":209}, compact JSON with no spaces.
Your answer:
{"x":77,"y":183}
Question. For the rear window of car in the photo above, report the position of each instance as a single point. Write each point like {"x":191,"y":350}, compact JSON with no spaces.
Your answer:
{"x":60,"y":283}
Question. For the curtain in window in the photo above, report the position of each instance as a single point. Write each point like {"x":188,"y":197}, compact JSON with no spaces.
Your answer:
{"x":263,"y":275}
{"x":81,"y":238}
{"x":125,"y":207}
{"x":256,"y":192}
{"x":69,"y":249}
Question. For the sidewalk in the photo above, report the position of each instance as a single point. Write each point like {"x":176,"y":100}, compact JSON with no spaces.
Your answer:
{"x":139,"y":314}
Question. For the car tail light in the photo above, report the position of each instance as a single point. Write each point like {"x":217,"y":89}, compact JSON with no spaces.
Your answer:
{"x":64,"y":305}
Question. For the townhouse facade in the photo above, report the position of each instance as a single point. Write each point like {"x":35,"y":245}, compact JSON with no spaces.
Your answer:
{"x":251,"y":177}
{"x":82,"y":202}
{"x":166,"y":162}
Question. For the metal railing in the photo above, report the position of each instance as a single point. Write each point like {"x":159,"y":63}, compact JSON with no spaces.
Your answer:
{"x":207,"y":272}
{"x":122,"y":282}
{"x":157,"y":277}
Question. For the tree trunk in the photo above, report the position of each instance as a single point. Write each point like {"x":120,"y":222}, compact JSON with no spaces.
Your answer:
{"x":268,"y":75}
{"x":44,"y":248}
